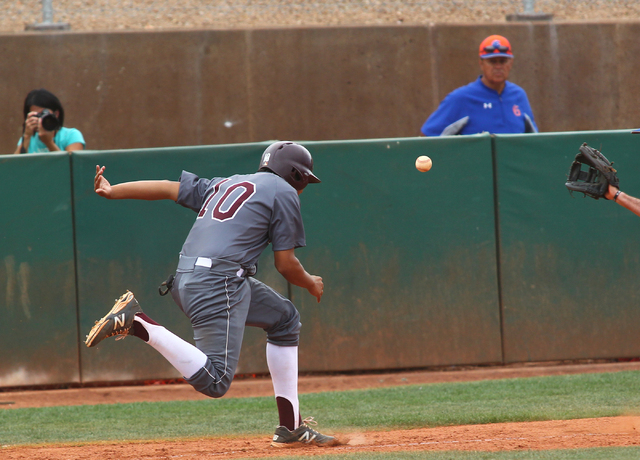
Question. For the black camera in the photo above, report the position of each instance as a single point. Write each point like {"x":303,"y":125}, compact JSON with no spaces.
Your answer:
{"x":49,"y":120}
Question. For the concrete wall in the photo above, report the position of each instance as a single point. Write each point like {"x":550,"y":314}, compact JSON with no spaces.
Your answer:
{"x":202,"y":87}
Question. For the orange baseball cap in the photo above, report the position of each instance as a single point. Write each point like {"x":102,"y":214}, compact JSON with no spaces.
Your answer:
{"x":495,"y":46}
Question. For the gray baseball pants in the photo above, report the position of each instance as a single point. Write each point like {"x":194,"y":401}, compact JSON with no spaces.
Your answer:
{"x":220,"y":301}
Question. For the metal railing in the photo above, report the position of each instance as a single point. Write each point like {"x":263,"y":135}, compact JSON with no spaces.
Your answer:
{"x":47,"y":19}
{"x":529,"y":13}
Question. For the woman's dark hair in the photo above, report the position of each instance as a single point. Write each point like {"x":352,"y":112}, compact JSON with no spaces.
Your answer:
{"x":46,"y":100}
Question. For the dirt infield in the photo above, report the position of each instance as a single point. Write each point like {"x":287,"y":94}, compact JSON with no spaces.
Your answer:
{"x":584,"y":433}
{"x":569,"y":434}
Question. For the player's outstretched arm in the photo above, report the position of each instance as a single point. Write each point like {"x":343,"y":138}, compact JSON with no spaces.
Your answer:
{"x":290,"y":267}
{"x":627,"y":201}
{"x":139,"y":190}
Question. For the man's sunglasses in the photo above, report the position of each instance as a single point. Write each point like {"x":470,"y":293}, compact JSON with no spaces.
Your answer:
{"x":493,"y":48}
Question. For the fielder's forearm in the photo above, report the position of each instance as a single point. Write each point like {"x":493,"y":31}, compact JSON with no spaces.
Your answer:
{"x":146,"y":190}
{"x":629,"y":202}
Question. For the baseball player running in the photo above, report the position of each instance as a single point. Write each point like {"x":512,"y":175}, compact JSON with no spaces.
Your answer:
{"x":237,"y":217}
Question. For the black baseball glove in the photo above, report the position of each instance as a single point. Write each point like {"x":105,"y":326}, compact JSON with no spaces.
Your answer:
{"x":593,"y":182}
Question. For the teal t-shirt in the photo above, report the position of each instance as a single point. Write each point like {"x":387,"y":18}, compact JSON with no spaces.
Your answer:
{"x":63,"y":138}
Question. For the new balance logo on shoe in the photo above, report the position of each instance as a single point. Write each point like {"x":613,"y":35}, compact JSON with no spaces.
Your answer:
{"x":118,"y":321}
{"x":306,"y":437}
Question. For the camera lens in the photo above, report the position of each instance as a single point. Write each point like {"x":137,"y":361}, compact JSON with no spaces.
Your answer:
{"x":49,"y":121}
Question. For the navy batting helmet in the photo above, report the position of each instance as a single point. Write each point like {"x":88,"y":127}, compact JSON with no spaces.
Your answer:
{"x":290,"y":161}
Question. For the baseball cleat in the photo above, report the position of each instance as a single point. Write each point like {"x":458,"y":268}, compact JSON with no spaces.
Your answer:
{"x":303,"y":435}
{"x":118,"y":321}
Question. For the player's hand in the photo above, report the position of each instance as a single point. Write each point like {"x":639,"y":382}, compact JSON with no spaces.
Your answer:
{"x":317,"y":289}
{"x":611,"y":192}
{"x":100,"y":184}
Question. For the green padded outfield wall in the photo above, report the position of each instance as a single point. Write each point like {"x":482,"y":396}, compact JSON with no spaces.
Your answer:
{"x":569,"y":265}
{"x":408,"y":258}
{"x":132,"y":244}
{"x":38,"y":326}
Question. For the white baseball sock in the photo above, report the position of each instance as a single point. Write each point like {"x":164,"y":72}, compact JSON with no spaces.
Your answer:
{"x":186,"y":358}
{"x":283,"y":366}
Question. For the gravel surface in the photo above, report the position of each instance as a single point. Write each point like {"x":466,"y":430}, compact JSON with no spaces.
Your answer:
{"x":109,"y":15}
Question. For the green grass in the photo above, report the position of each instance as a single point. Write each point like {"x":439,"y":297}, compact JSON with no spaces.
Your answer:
{"x":540,"y":398}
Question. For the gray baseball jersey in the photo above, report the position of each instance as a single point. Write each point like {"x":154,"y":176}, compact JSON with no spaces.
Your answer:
{"x":239,"y":215}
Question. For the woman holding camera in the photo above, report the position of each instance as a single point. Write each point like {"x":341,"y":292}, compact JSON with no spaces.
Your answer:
{"x":43,"y":129}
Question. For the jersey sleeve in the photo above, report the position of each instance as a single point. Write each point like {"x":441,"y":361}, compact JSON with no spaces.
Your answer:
{"x":447,"y":112}
{"x":286,"y":230}
{"x":192,"y":191}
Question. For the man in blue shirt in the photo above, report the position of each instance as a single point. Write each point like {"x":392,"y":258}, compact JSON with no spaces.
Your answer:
{"x":490,"y":103}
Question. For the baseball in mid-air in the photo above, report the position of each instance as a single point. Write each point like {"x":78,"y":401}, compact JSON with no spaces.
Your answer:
{"x":423,"y":163}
